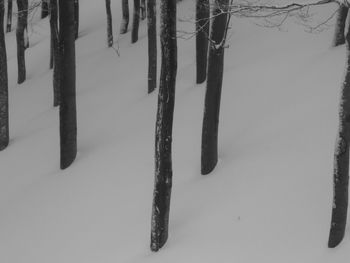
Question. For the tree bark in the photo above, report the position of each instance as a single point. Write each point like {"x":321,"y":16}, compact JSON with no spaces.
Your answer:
{"x":9,"y":16}
{"x":135,"y":22}
{"x":76,"y":18}
{"x":152,"y":45}
{"x":21,"y":45}
{"x":341,"y":161}
{"x":164,"y":123}
{"x":4,"y":104}
{"x":209,"y":157}
{"x":44,"y":8}
{"x":125,"y":21}
{"x":109,"y":24}
{"x":68,"y":121}
{"x":339,"y":33}
{"x":143,"y":9}
{"x":55,"y":51}
{"x":202,"y":29}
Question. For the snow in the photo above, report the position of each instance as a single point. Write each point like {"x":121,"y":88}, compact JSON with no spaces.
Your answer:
{"x":268,"y":200}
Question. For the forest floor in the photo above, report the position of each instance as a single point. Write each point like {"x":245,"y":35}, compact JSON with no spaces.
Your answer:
{"x":270,"y":197}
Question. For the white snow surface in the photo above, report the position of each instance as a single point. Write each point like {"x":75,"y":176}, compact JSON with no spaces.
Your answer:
{"x":268,"y":200}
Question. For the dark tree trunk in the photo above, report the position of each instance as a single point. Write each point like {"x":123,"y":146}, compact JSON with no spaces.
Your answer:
{"x":76,"y":18}
{"x":125,"y":21}
{"x":202,"y":29}
{"x":44,"y":8}
{"x":109,"y":24}
{"x":214,"y":84}
{"x":339,"y":33}
{"x":152,"y":45}
{"x":21,"y":45}
{"x":164,"y":124}
{"x":9,"y":16}
{"x":135,"y":22}
{"x":55,"y":51}
{"x":68,"y":120}
{"x":143,"y":9}
{"x":341,"y":162}
{"x":4,"y":104}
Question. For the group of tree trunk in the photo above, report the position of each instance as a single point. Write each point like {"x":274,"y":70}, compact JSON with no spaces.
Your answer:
{"x":213,"y":72}
{"x":166,"y":97}
{"x":139,"y":13}
{"x":210,"y":46}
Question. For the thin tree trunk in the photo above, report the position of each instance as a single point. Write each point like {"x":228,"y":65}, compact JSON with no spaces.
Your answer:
{"x":21,"y":25}
{"x":55,"y":51}
{"x":152,"y":45}
{"x":339,"y":33}
{"x":68,"y":121}
{"x":76,"y":18}
{"x":9,"y":16}
{"x":4,"y":104}
{"x":143,"y":9}
{"x":109,"y":24}
{"x":341,"y":162}
{"x":202,"y":29}
{"x":135,"y":22}
{"x":209,"y":157}
{"x":164,"y":124}
{"x":125,"y":21}
{"x":44,"y":8}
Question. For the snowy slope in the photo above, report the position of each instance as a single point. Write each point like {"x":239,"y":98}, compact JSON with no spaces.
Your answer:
{"x":269,"y":199}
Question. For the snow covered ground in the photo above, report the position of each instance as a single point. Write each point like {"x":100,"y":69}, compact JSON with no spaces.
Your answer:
{"x":269,"y":199}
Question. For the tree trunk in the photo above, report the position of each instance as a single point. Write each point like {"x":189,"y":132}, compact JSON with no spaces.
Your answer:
{"x":21,"y":45}
{"x":152,"y":45}
{"x":4,"y":104}
{"x":9,"y":16}
{"x":109,"y":24}
{"x":202,"y":29}
{"x":339,"y":33}
{"x":68,"y":122}
{"x":76,"y":18}
{"x":341,"y":162}
{"x":164,"y":124}
{"x":214,"y":84}
{"x":44,"y":8}
{"x":125,"y":21}
{"x":135,"y":22}
{"x":143,"y":9}
{"x":55,"y":51}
